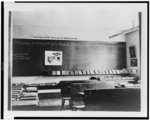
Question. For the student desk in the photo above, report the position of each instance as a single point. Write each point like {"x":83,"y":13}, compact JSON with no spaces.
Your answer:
{"x":49,"y":93}
{"x":118,"y":99}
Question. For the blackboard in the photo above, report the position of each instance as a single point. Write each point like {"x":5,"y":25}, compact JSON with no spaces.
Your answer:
{"x":28,"y":56}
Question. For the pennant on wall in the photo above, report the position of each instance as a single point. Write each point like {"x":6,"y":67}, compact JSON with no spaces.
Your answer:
{"x":132,"y":52}
{"x":134,"y":62}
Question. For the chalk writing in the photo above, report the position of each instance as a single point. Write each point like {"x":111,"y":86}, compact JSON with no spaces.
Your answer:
{"x":21,"y":56}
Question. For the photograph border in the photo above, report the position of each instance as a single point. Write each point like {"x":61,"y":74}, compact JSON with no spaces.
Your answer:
{"x":2,"y":60}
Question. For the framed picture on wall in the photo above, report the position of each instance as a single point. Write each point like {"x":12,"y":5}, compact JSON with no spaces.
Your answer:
{"x":132,"y":52}
{"x":53,"y":58}
{"x":134,"y":62}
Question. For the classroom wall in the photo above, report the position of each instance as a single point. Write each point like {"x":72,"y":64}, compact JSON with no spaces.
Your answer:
{"x":132,"y":39}
{"x":28,"y":56}
{"x":119,"y":38}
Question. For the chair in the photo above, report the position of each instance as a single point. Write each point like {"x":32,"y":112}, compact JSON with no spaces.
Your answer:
{"x":66,"y":72}
{"x":58,"y":73}
{"x":76,"y":72}
{"x":92,"y":72}
{"x":77,"y":92}
{"x":96,"y":72}
{"x":71,"y":73}
{"x":64,"y":99}
{"x":63,"y":72}
{"x":80,"y":73}
{"x":88,"y":72}
{"x":65,"y":87}
{"x":54,"y":72}
{"x":84,"y":72}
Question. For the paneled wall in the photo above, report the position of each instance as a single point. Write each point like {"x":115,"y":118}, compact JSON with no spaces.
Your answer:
{"x":28,"y":56}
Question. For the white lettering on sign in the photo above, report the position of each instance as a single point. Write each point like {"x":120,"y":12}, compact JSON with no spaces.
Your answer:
{"x":54,"y":38}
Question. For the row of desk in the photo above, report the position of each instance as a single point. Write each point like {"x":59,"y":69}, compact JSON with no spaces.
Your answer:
{"x":74,"y":91}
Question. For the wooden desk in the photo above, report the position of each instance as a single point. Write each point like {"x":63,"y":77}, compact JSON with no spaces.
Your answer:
{"x":25,"y":102}
{"x":120,"y":99}
{"x":49,"y":94}
{"x":49,"y":91}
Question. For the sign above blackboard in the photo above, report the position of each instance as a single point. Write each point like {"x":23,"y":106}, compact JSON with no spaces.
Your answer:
{"x":54,"y":37}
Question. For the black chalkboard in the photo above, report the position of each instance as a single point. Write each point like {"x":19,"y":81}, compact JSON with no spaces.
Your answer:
{"x":28,"y":56}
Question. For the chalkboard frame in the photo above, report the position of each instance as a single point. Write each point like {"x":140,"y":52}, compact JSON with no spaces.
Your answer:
{"x":59,"y":46}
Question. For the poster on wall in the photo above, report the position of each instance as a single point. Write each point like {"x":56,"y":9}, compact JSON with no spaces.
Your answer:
{"x":132,"y":51}
{"x":53,"y":58}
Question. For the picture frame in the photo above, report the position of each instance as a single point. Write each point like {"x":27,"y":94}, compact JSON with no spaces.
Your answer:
{"x":133,"y":62}
{"x":132,"y":52}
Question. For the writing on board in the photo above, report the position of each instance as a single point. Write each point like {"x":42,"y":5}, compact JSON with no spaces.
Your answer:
{"x":21,"y":56}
